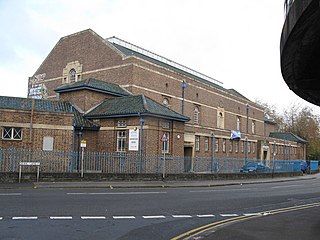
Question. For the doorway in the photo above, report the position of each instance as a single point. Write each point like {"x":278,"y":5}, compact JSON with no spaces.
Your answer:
{"x":187,"y":159}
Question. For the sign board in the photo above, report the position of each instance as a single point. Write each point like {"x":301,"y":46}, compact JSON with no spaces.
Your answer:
{"x":29,"y":163}
{"x":133,"y":139}
{"x":83,"y":144}
{"x":164,"y":138}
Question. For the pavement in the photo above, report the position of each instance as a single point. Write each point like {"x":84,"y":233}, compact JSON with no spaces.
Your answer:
{"x":152,"y":184}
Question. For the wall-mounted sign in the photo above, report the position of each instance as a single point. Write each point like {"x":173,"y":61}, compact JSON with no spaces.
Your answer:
{"x":133,"y":139}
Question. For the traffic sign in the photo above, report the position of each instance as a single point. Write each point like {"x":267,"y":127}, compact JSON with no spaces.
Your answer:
{"x":164,"y":138}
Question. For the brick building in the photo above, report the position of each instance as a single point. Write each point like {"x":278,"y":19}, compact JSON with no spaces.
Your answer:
{"x":119,"y":88}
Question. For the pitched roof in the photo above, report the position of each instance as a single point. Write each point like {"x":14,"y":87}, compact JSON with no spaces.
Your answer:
{"x":134,"y":106}
{"x":288,"y":136}
{"x":41,"y":105}
{"x":94,"y":85}
{"x":129,"y":49}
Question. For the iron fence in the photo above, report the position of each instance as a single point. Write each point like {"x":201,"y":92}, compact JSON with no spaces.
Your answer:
{"x":130,"y":163}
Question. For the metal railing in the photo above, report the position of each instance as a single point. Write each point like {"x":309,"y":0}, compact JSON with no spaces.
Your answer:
{"x":102,"y":162}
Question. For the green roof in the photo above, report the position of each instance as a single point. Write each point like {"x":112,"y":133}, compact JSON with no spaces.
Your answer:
{"x":288,"y":136}
{"x":134,"y":106}
{"x":41,"y":105}
{"x":94,"y":85}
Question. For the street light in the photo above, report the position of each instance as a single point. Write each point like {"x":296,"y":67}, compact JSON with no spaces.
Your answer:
{"x":212,"y":155}
{"x":141,"y":121}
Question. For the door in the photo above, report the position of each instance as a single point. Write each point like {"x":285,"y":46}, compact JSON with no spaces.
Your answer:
{"x":187,"y":159}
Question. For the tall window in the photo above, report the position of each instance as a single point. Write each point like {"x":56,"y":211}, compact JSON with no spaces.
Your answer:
{"x":220,"y":119}
{"x":121,"y":141}
{"x":72,"y":75}
{"x":206,"y":144}
{"x":166,"y":145}
{"x":242,"y":146}
{"x":237,"y":147}
{"x":197,"y":143}
{"x":230,"y":145}
{"x":253,"y":127}
{"x":238,"y":123}
{"x":11,"y":133}
{"x":196,"y":113}
{"x":216,"y":147}
{"x":223,"y":145}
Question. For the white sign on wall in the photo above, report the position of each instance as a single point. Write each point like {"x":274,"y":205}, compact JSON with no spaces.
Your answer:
{"x":133,"y":139}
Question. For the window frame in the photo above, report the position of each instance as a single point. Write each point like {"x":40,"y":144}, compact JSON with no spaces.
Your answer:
{"x":12,"y":133}
{"x":121,"y":141}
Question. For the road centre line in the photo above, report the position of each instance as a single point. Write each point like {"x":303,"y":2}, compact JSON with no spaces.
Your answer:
{"x":205,"y":215}
{"x":123,"y":217}
{"x":61,"y":218}
{"x":93,"y":217}
{"x":181,"y":216}
{"x":154,"y":217}
{"x":229,"y":215}
{"x":24,"y":218}
{"x":116,"y":193}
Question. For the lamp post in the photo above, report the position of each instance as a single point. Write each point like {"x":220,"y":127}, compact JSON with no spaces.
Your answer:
{"x":80,"y":133}
{"x":184,"y":85}
{"x":141,"y":121}
{"x":247,"y":106}
{"x":212,"y":155}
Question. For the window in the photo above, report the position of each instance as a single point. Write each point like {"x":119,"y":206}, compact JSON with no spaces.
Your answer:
{"x":47,"y":143}
{"x":166,"y":145}
{"x":242,"y":146}
{"x":196,"y":115}
{"x":249,"y":146}
{"x":237,"y":147}
{"x":253,"y":127}
{"x":197,"y":143}
{"x":223,"y":145}
{"x":220,"y":118}
{"x":165,"y":124}
{"x":72,"y":75}
{"x":10,"y":133}
{"x":238,"y":123}
{"x":206,"y":144}
{"x":165,"y":102}
{"x":122,"y":124}
{"x":230,"y":146}
{"x":253,"y":147}
{"x":216,"y":148}
{"x":121,"y":141}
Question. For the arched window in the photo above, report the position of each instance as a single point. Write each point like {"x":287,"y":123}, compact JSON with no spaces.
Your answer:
{"x":72,"y":75}
{"x":220,"y":120}
{"x":196,"y":113}
{"x":238,"y":123}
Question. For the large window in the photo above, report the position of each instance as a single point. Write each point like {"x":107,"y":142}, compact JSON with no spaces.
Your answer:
{"x":253,"y":127}
{"x":206,"y":144}
{"x":238,"y":123}
{"x":11,"y":133}
{"x":197,"y":144}
{"x":121,"y":141}
{"x":220,"y":118}
{"x":196,"y":113}
{"x":72,"y":75}
{"x":166,"y":144}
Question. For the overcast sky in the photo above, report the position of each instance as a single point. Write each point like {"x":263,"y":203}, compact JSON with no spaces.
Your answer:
{"x":233,"y":41}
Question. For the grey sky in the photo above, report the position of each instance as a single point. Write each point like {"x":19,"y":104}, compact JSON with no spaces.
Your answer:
{"x":236,"y":42}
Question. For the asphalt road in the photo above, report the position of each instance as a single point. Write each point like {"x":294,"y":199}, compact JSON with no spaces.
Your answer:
{"x":159,"y":213}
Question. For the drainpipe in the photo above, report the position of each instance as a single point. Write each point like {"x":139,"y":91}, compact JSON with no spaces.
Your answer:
{"x":141,"y":121}
{"x":212,"y":154}
{"x":184,"y":85}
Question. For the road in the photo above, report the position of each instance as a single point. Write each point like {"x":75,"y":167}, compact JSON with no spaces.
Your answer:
{"x":149,"y":213}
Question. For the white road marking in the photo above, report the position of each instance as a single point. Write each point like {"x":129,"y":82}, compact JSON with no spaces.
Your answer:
{"x":181,"y":216}
{"x":24,"y":218}
{"x":117,"y":193}
{"x":61,"y":218}
{"x":205,"y":215}
{"x":288,"y":186}
{"x":10,"y":194}
{"x":123,"y":217}
{"x":1,"y":218}
{"x":229,"y":215}
{"x":252,"y":214}
{"x":93,"y":217}
{"x":153,"y":217}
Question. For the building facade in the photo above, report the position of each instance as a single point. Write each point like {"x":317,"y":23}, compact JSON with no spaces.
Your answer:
{"x":120,"y":89}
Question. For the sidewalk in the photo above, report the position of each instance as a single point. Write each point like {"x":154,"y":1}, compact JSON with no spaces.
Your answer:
{"x":152,"y":184}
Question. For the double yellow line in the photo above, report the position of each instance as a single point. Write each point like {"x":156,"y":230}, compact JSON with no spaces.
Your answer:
{"x":213,"y":226}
